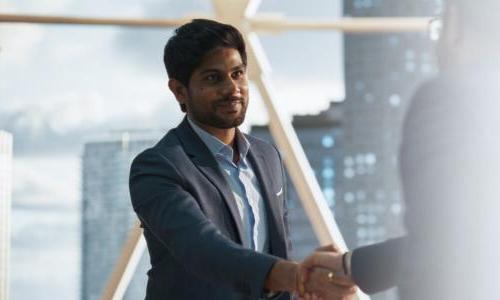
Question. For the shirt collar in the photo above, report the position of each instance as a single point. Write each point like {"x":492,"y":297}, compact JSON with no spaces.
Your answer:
{"x":217,"y":147}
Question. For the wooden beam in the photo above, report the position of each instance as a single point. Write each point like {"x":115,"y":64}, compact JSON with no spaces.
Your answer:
{"x":57,"y":20}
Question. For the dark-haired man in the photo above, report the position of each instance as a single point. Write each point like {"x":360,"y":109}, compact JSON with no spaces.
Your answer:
{"x":210,"y":198}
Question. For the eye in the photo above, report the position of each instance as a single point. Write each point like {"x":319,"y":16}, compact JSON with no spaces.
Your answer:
{"x":238,"y":74}
{"x":212,"y":77}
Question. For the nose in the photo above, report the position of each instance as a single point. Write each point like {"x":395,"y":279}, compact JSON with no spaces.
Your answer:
{"x":232,"y":87}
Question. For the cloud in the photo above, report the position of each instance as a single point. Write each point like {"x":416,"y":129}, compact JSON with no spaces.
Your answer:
{"x":36,"y":6}
{"x":65,"y":126}
{"x":46,"y":182}
{"x":17,"y":44}
{"x":45,"y":254}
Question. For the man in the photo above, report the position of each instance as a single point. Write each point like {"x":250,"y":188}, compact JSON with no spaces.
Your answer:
{"x":449,"y":168}
{"x":210,"y":198}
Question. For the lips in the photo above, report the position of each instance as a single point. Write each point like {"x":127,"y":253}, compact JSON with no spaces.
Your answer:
{"x":231,"y":104}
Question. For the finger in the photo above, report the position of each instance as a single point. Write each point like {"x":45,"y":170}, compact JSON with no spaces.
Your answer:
{"x":322,"y":274}
{"x":303,"y":275}
{"x":343,"y":281}
{"x":352,"y":297}
{"x":329,"y":260}
{"x":338,"y":292}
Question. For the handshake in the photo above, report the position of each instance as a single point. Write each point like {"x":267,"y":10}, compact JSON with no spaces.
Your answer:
{"x":321,"y":276}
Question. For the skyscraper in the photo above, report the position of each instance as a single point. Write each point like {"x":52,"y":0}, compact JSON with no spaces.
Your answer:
{"x":321,"y":136}
{"x":5,"y":209}
{"x":382,"y":72}
{"x":107,"y":214}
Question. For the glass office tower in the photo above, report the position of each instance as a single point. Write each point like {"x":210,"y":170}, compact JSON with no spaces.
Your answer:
{"x":107,"y":214}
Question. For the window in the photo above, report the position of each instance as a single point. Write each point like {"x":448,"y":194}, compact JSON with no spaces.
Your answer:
{"x":395,"y":100}
{"x":327,"y":141}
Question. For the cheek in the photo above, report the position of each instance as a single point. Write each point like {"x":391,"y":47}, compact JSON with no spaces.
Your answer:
{"x":244,"y":89}
{"x":204,"y":96}
{"x":201,"y":93}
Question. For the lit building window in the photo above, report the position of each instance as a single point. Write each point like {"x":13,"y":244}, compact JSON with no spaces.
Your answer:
{"x":328,"y":173}
{"x":395,"y":100}
{"x":370,"y":158}
{"x":329,"y":196}
{"x":327,"y":141}
{"x":396,"y":208}
{"x":426,"y":68}
{"x":361,"y":233}
{"x":348,"y":161}
{"x":361,"y":219}
{"x":349,"y":198}
{"x":349,"y":173}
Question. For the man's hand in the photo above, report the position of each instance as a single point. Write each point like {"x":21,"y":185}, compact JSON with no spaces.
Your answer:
{"x":283,"y":277}
{"x":319,"y":276}
{"x":328,"y":257}
{"x":320,"y":285}
{"x":322,"y":275}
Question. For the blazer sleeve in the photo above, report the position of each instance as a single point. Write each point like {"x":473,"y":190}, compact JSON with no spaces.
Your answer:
{"x":377,"y":267}
{"x":170,"y":212}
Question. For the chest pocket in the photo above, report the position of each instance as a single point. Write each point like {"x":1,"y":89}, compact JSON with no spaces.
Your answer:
{"x":215,"y":208}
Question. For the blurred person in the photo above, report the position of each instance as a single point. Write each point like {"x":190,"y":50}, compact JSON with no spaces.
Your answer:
{"x":211,"y":199}
{"x":450,"y":167}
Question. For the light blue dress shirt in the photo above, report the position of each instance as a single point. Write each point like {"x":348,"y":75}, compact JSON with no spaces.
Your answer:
{"x":244,"y":185}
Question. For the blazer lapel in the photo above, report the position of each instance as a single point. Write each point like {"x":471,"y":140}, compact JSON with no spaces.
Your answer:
{"x":206,"y":163}
{"x":273,"y":211}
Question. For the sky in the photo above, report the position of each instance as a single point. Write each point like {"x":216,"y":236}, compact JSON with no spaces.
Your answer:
{"x":62,"y":86}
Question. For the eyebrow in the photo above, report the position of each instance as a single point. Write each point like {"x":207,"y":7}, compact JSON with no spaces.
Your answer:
{"x":239,"y":67}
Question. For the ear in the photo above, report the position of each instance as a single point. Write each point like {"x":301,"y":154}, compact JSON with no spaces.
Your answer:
{"x":179,"y":90}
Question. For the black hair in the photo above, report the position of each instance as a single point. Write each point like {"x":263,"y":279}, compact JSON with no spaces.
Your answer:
{"x":185,"y":50}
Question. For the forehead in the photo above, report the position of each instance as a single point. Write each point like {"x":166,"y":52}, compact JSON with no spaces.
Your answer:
{"x":220,"y":59}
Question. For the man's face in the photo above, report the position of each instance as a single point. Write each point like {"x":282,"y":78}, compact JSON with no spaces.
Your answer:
{"x":217,"y":95}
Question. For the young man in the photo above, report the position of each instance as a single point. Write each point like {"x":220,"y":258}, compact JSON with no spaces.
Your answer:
{"x":210,"y":198}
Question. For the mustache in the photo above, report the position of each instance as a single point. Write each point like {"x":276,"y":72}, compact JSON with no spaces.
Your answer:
{"x":229,"y":99}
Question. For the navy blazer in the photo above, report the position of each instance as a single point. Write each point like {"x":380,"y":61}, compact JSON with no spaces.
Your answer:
{"x":191,"y":223}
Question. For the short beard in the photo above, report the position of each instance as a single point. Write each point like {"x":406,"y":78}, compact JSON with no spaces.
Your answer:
{"x":212,"y":119}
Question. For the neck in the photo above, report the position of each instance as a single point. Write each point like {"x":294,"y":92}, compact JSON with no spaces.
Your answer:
{"x":224,"y":135}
